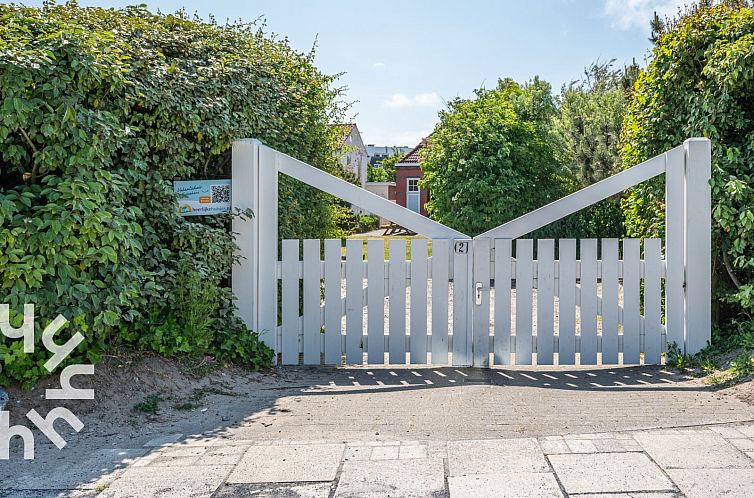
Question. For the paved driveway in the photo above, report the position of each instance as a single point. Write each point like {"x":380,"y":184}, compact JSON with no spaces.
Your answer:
{"x":429,"y":433}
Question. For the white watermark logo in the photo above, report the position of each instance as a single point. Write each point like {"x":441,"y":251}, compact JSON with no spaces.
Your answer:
{"x":66,"y":392}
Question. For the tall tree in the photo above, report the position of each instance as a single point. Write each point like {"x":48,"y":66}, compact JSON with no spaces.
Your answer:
{"x":590,"y":119}
{"x":494,"y":157}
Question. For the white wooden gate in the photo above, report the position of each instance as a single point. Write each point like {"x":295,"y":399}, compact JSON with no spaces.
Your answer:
{"x":496,"y":299}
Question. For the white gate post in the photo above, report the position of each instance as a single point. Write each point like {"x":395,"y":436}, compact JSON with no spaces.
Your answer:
{"x":698,"y":244}
{"x":675,"y":246}
{"x":254,"y":277}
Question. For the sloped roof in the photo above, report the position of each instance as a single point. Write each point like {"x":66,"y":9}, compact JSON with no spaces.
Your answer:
{"x":414,"y":156}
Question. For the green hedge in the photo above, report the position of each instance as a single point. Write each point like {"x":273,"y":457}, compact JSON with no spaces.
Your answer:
{"x":101,"y":110}
{"x":700,"y":82}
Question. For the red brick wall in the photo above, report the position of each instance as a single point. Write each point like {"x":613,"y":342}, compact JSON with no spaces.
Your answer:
{"x":403,"y":173}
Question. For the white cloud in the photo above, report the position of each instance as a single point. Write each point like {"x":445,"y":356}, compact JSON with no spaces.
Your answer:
{"x":403,"y":101}
{"x":628,"y":14}
{"x":378,"y":66}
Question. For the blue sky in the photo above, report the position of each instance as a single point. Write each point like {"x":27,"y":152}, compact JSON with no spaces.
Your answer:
{"x":403,"y":59}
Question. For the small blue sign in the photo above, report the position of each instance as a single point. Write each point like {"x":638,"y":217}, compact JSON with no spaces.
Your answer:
{"x":202,"y":197}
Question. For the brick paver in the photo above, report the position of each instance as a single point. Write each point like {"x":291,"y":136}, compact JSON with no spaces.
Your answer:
{"x":390,"y":432}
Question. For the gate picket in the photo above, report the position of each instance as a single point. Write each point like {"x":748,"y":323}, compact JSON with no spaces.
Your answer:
{"x":376,"y":301}
{"x":418,"y":330}
{"x":333,"y":303}
{"x":312,"y":329}
{"x":462,"y":302}
{"x":545,"y":300}
{"x":440,"y":276}
{"x":631,"y":302}
{"x":610,"y":301}
{"x":481,"y":313}
{"x":588,"y":280}
{"x":524,"y":280}
{"x":652,"y":300}
{"x":567,"y":302}
{"x":290,"y":339}
{"x":502,"y":342}
{"x":397,"y":302}
{"x":354,"y":301}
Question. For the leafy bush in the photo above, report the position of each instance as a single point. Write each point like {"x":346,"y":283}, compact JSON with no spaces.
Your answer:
{"x":101,"y":110}
{"x":494,"y":157}
{"x":377,"y":174}
{"x":700,"y":82}
{"x":187,"y":325}
{"x":384,"y":171}
{"x":350,"y":223}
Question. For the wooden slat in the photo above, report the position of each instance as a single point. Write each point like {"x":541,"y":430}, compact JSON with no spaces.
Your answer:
{"x":397,"y":306}
{"x":481,"y":309}
{"x":652,"y":300}
{"x":290,"y":342}
{"x":376,"y":301}
{"x":266,"y":220}
{"x":675,"y":235}
{"x":461,"y":302}
{"x":567,"y":302}
{"x":545,"y":300}
{"x":588,"y":280}
{"x":502,"y":343}
{"x":610,"y":301}
{"x":312,"y":330}
{"x":333,"y":303}
{"x":354,"y":301}
{"x":631,"y":302}
{"x":524,"y":282}
{"x":418,"y":331}
{"x":440,"y":271}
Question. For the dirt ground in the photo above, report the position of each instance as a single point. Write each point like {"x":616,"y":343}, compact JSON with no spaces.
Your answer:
{"x":743,"y":391}
{"x":192,"y":394}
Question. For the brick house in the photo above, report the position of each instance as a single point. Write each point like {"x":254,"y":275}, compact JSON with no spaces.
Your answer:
{"x":408,"y":172}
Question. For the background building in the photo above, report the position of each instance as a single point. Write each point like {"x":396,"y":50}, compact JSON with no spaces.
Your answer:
{"x":408,"y":172}
{"x":353,"y":154}
{"x":377,"y":153}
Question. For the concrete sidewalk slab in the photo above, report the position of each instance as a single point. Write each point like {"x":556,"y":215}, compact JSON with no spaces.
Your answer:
{"x":498,"y":456}
{"x":98,"y":470}
{"x":315,"y":490}
{"x":704,"y":483}
{"x":519,"y":485}
{"x":168,"y":482}
{"x":631,"y":495}
{"x":288,"y":463}
{"x":411,"y":478}
{"x":609,"y":472}
{"x":702,"y":449}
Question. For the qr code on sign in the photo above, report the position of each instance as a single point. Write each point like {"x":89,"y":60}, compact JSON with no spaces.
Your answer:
{"x":220,"y":193}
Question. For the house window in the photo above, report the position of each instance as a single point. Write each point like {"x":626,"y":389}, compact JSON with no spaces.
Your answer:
{"x":413,"y":184}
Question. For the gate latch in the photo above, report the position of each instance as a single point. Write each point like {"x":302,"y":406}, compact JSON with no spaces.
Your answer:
{"x":478,"y":293}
